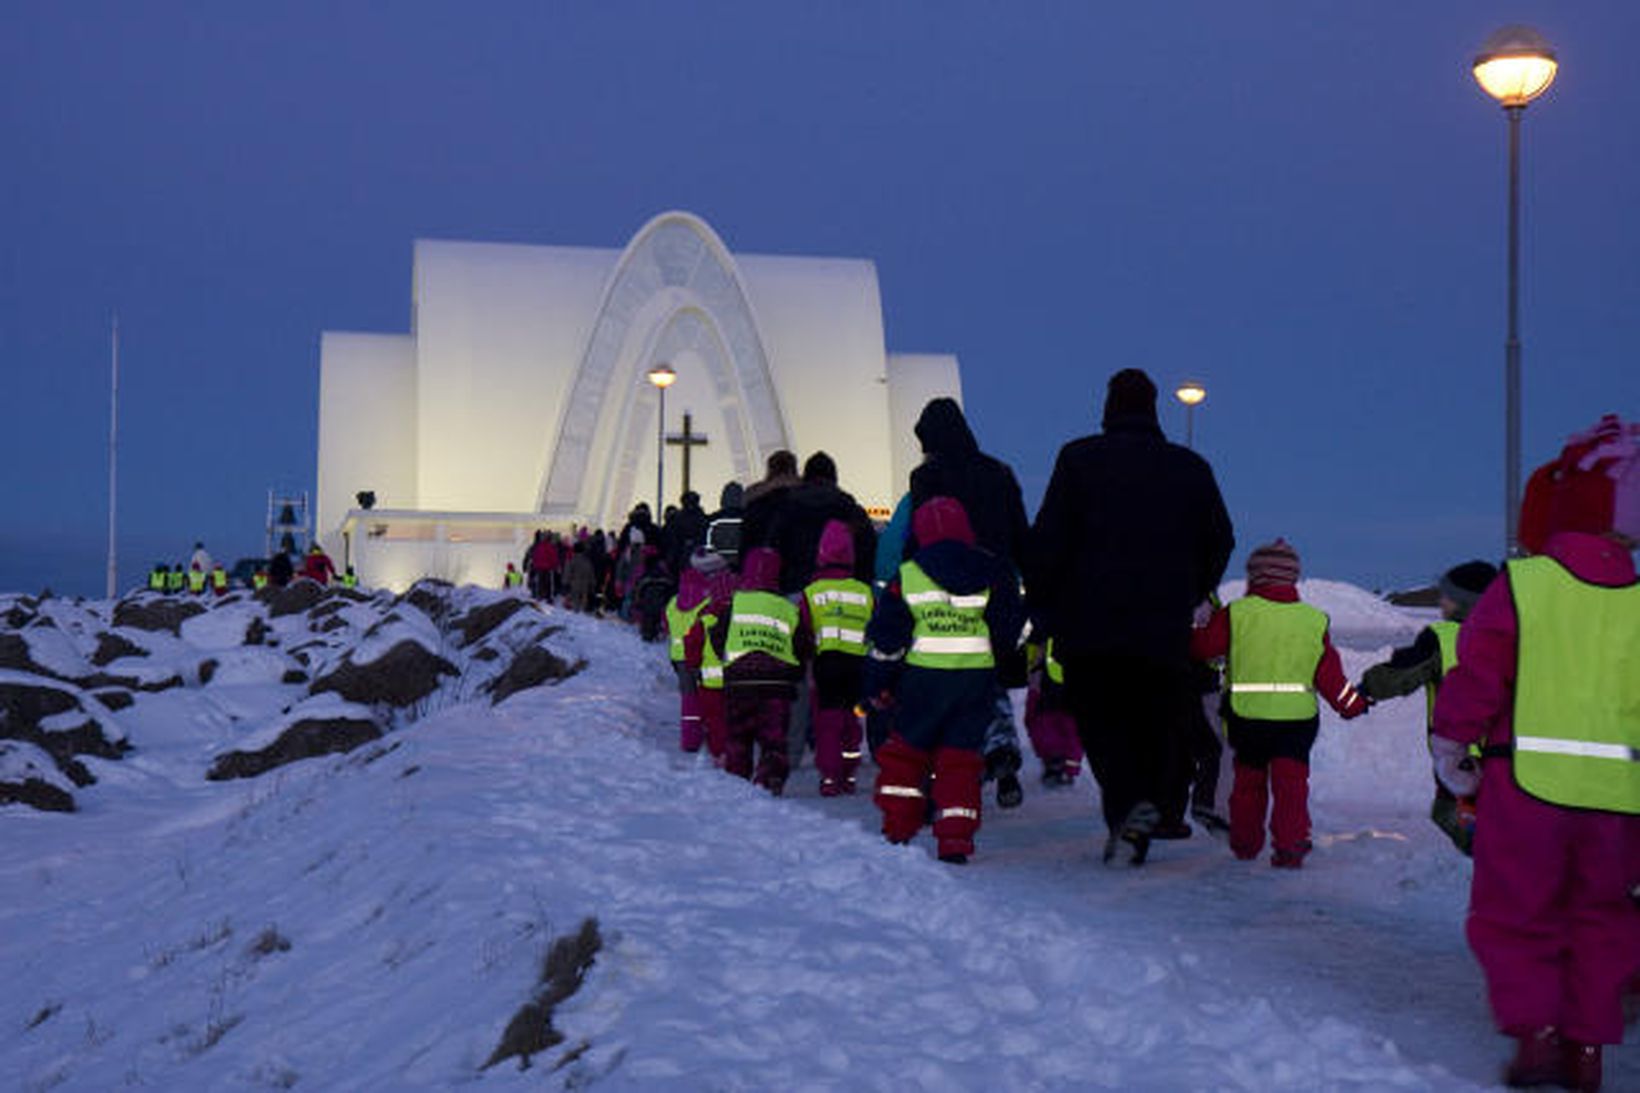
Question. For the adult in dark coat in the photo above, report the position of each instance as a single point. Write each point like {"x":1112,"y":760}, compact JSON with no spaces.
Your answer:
{"x":684,"y":531}
{"x":953,"y":466}
{"x":765,"y":500}
{"x":723,"y":526}
{"x":1131,"y":536}
{"x":804,"y":515}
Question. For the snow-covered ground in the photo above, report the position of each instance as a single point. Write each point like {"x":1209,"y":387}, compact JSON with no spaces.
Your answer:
{"x":372,"y":921}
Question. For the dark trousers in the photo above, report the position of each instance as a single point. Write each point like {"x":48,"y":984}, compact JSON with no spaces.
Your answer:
{"x":1130,"y":713}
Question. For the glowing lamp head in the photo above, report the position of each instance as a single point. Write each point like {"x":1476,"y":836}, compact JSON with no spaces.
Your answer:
{"x":1515,"y":65}
{"x":1190,"y":392}
{"x":662,"y":376}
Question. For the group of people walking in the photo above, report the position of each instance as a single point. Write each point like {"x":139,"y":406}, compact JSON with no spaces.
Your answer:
{"x":1107,"y":606}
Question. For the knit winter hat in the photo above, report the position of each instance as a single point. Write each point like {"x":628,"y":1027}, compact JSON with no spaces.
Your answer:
{"x":706,"y":562}
{"x":691,"y":588}
{"x":1130,"y":394}
{"x":1273,"y":563}
{"x":941,"y":518}
{"x":836,"y":545}
{"x":1592,"y":486}
{"x":1463,"y":584}
{"x":760,"y":569}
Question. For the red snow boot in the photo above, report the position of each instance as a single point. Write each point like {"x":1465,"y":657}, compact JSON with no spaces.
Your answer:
{"x":1582,"y":1067}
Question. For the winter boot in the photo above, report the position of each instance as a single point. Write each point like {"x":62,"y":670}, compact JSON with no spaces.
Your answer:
{"x":1582,"y":1067}
{"x":1290,"y":857}
{"x":1131,"y":844}
{"x":1540,"y":1059}
{"x":957,"y":774}
{"x":1003,"y":764}
{"x":902,"y":772}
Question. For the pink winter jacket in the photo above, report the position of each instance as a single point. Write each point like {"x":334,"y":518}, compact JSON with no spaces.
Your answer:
{"x":1475,"y":704}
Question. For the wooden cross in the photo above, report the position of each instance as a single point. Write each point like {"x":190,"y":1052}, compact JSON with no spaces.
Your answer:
{"x":686,"y":440}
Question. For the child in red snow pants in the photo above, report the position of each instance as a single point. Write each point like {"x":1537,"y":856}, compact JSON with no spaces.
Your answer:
{"x":757,"y":715}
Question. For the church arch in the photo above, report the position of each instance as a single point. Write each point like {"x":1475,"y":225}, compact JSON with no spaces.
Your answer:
{"x":674,"y":289}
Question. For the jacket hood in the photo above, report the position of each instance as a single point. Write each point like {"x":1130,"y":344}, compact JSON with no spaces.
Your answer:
{"x":760,"y":570}
{"x":836,"y":546}
{"x":941,"y":518}
{"x":691,"y":588}
{"x":943,"y":430}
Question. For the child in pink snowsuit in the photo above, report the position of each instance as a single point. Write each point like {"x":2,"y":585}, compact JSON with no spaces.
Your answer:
{"x":682,"y":616}
{"x":699,"y":655}
{"x":1048,"y":719}
{"x":1547,"y":685}
{"x":835,"y":610}
{"x":1280,"y":660}
{"x":763,"y":649}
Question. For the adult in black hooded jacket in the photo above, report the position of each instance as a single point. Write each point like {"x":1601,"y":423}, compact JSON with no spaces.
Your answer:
{"x":805,"y":513}
{"x":1131,"y":536}
{"x":953,"y":466}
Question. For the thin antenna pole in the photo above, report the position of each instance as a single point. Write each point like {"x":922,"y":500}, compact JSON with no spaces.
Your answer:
{"x":113,"y":451}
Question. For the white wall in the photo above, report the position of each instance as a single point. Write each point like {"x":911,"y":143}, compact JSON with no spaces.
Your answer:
{"x":499,"y":333}
{"x":367,"y":425}
{"x":822,"y":326}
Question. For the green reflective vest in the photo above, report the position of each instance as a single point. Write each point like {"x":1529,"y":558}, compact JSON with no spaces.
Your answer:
{"x":157,"y":580}
{"x":351,"y":580}
{"x":761,"y":622}
{"x":1274,"y":649}
{"x":259,"y":581}
{"x":1051,"y":665}
{"x":711,"y":665}
{"x":1577,"y":691}
{"x":196,"y":580}
{"x":219,"y":580}
{"x":1446,"y":632}
{"x":839,"y":609}
{"x":678,"y":624}
{"x":173,"y":581}
{"x":513,"y":578}
{"x":947,"y":631}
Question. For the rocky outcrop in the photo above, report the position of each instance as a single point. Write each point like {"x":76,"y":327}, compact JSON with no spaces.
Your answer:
{"x":402,"y":676}
{"x":531,"y":668}
{"x":294,"y":598}
{"x":26,"y":707}
{"x":480,"y":621}
{"x":111,"y":647}
{"x":303,"y":740}
{"x":156,"y":613}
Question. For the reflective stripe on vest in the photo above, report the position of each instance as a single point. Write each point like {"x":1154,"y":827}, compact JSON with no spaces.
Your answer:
{"x":839,"y":610}
{"x":711,"y":665}
{"x":678,"y":624}
{"x":1274,"y":650}
{"x":948,"y":631}
{"x":761,"y":622}
{"x":1577,"y":694}
{"x":1446,"y":633}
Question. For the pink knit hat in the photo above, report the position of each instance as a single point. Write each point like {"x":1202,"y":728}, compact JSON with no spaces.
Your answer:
{"x":1592,"y":486}
{"x":1273,"y":563}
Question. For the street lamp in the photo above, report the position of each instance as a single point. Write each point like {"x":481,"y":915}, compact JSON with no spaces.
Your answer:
{"x":1515,"y":66}
{"x":662,"y":376}
{"x":1190,"y":393}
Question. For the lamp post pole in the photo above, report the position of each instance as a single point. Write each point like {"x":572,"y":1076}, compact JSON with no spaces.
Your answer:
{"x":1190,"y":393}
{"x":1515,"y":66}
{"x":662,"y":376}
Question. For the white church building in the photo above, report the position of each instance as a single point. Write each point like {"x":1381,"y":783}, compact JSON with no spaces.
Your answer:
{"x":520,"y":398}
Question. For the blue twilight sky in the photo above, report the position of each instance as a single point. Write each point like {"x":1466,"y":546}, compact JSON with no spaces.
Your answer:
{"x":1301,"y":204}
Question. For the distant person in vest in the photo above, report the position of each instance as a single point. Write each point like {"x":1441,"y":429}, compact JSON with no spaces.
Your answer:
{"x":934,"y":640}
{"x":1048,"y":718}
{"x":683,"y":613}
{"x":176,"y":581}
{"x":835,"y":609}
{"x":699,"y":654}
{"x":1424,"y":663}
{"x":157,"y":577}
{"x":317,"y":566}
{"x":197,"y":579}
{"x":219,"y":579}
{"x":1547,"y":685}
{"x":763,"y":650}
{"x":1279,"y":659}
{"x":954,"y":466}
{"x":1131,"y":536}
{"x":510,"y":579}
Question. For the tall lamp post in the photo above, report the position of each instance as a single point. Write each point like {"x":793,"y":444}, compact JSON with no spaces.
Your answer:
{"x":1515,"y":66}
{"x":662,"y":376}
{"x":1190,"y":393}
